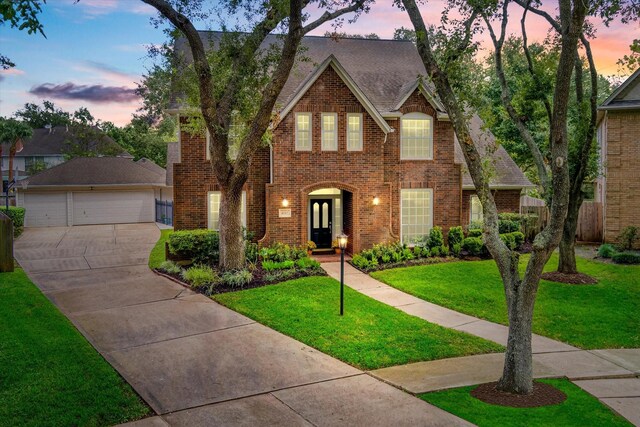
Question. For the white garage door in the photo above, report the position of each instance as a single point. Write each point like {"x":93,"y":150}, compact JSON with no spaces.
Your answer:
{"x":45,"y":209}
{"x":113,"y":207}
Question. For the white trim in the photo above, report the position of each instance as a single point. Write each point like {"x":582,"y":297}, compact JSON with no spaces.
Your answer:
{"x":623,"y":86}
{"x":207,"y":150}
{"x":429,"y":97}
{"x":417,"y":116}
{"x":430,"y":190}
{"x":295,"y":124}
{"x":335,"y":132}
{"x":346,"y":78}
{"x":361,"y":146}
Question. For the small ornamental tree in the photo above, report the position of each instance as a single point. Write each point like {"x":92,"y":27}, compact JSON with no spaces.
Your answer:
{"x":12,"y":132}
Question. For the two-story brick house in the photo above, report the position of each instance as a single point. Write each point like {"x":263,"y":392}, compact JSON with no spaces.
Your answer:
{"x":363,"y":147}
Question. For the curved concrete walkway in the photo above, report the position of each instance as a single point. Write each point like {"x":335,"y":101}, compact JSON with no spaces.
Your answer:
{"x":192,"y":360}
{"x":610,"y":375}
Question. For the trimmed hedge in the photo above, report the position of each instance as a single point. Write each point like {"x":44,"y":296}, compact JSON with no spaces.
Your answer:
{"x":17,"y":216}
{"x":626,"y":258}
{"x":606,"y":250}
{"x":201,"y":246}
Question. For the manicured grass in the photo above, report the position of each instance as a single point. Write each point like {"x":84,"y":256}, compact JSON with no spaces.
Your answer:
{"x":588,"y":316}
{"x":580,"y":409}
{"x":49,"y":374}
{"x":157,"y":253}
{"x":370,"y":335}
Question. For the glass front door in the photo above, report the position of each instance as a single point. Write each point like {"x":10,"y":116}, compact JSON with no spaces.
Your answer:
{"x":321,"y":217}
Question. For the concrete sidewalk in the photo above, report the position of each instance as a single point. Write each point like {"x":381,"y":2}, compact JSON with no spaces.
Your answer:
{"x":192,"y":360}
{"x":610,"y":375}
{"x":433,"y":313}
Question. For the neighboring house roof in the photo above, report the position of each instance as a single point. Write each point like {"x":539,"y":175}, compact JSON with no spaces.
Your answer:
{"x":51,"y":142}
{"x":173,"y":156}
{"x":626,"y":96}
{"x":144,"y":162}
{"x":89,"y":171}
{"x":382,"y":74}
{"x":507,"y":174}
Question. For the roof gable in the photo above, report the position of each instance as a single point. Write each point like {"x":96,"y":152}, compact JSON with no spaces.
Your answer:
{"x":428,"y":95}
{"x":627,"y":95}
{"x":332,"y":62}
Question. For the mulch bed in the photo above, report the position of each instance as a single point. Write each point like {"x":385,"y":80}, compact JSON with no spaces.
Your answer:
{"x":572,"y":279}
{"x":542,"y":395}
{"x":257,"y":282}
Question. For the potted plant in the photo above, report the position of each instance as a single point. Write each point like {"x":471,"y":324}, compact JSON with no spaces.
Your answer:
{"x":310,"y":246}
{"x":335,"y":246}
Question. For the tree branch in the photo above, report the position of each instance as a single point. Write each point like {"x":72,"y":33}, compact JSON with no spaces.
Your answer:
{"x":328,"y":16}
{"x":506,"y":97}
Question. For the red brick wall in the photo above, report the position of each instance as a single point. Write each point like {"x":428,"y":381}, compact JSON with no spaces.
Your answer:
{"x":193,"y":178}
{"x":506,"y":201}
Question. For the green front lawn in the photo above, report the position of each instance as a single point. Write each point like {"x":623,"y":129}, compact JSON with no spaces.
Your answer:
{"x":587,"y":316}
{"x":49,"y":374}
{"x":370,"y":335}
{"x":580,"y":409}
{"x":157,"y":253}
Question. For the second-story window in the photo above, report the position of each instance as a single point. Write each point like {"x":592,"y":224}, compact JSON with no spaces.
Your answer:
{"x":329,"y":132}
{"x":303,"y":131}
{"x":354,"y":132}
{"x":416,"y":137}
{"x":237,"y":131}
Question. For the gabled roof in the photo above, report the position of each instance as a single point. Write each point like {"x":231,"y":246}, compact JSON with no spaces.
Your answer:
{"x":626,"y":96}
{"x":427,"y":93}
{"x":507,"y":173}
{"x":89,"y":171}
{"x":346,"y":78}
{"x":51,"y":142}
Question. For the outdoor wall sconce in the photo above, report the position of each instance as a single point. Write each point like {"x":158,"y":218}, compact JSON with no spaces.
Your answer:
{"x":376,"y":201}
{"x":285,"y":203}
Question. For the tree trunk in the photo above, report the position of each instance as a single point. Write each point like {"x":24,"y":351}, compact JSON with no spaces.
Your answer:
{"x":231,"y":235}
{"x":517,"y":374}
{"x":567,"y":258}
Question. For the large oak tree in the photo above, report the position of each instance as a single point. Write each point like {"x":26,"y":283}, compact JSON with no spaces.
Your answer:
{"x":242,"y":77}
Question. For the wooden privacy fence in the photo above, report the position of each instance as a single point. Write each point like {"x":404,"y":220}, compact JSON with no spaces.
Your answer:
{"x":590,"y":222}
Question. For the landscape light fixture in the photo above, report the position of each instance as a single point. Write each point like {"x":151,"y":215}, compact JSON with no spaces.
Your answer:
{"x":342,"y":244}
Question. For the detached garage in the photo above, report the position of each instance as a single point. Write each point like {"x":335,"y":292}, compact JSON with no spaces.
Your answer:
{"x":95,"y":190}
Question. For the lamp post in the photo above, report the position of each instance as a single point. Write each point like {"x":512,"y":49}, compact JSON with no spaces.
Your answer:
{"x":342,"y":244}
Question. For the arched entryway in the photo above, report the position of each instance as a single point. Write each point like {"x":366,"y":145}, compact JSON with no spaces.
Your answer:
{"x":328,"y":212}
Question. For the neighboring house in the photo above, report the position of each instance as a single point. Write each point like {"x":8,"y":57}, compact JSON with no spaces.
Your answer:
{"x":92,"y":190}
{"x":46,"y":147}
{"x":619,"y":142}
{"x":363,"y":147}
{"x":173,"y":156}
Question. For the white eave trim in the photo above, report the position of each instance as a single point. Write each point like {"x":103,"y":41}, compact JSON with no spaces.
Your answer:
{"x":437,"y":105}
{"x":620,"y":88}
{"x":346,"y":78}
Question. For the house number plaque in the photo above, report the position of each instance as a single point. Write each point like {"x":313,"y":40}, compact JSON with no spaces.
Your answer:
{"x":284,"y":213}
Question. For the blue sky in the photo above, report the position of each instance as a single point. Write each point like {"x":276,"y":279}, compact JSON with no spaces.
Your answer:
{"x":95,"y":52}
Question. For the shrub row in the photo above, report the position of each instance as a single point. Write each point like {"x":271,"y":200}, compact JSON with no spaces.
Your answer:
{"x":626,"y":257}
{"x":17,"y":217}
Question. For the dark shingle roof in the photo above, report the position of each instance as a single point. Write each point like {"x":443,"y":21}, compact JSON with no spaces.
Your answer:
{"x":507,"y":173}
{"x":626,"y":96}
{"x":51,"y":142}
{"x":98,"y":171}
{"x":173,"y":156}
{"x":384,"y":70}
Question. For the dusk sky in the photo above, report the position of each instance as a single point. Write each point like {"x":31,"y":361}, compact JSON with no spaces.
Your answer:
{"x":95,"y":51}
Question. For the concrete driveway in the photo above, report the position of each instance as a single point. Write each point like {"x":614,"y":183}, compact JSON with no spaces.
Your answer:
{"x":192,"y":360}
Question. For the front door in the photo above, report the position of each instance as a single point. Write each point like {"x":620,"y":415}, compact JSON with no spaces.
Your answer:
{"x":321,"y":217}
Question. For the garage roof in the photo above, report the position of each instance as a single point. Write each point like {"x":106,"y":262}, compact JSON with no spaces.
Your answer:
{"x":98,"y":171}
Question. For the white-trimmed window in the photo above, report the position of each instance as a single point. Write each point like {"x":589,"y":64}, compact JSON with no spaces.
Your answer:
{"x":329,"y":131}
{"x":476,"y":209}
{"x":416,"y":213}
{"x":303,"y":131}
{"x":416,"y":137}
{"x":354,"y":132}
{"x":213,"y":211}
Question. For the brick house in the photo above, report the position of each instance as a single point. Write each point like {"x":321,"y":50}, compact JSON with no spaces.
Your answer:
{"x":362,"y":147}
{"x":619,"y":143}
